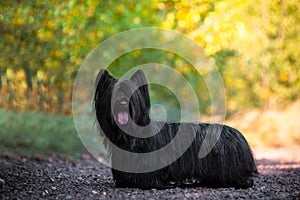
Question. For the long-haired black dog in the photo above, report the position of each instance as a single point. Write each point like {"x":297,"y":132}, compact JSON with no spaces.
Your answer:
{"x":121,"y":103}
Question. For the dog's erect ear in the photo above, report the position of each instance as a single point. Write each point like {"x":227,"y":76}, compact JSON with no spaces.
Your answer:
{"x":103,"y":77}
{"x":103,"y":81}
{"x":140,"y":80}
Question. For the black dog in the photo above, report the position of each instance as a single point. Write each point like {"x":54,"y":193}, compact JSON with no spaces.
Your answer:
{"x":122,"y":109}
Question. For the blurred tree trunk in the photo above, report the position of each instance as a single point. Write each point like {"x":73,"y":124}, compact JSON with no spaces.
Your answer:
{"x":0,"y":80}
{"x":28,"y":77}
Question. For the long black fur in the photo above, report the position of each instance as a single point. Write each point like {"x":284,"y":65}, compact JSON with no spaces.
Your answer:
{"x":229,"y":164}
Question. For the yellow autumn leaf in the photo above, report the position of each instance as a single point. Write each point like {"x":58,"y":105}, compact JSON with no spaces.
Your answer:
{"x":284,"y":76}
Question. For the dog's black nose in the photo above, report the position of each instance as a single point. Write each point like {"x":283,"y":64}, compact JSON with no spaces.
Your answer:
{"x":124,"y":101}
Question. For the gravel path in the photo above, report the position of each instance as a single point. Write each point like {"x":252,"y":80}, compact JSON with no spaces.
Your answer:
{"x":60,"y":178}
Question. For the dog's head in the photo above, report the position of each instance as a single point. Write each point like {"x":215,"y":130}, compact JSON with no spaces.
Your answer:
{"x":122,"y":102}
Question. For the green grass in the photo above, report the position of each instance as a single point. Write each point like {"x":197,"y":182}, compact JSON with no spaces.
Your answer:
{"x":32,"y":133}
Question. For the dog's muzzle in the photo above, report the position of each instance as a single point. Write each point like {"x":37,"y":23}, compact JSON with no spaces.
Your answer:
{"x":121,"y":111}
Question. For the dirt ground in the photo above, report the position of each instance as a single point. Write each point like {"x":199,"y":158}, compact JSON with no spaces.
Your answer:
{"x":270,"y":127}
{"x":58,"y":177}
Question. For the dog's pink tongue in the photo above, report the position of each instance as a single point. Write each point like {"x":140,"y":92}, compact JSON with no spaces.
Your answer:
{"x":123,"y":117}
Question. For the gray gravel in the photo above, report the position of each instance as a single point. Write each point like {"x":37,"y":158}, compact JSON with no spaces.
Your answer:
{"x":58,"y":177}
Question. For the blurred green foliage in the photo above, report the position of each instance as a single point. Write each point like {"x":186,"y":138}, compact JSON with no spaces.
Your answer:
{"x":30,"y":133}
{"x":255,"y":45}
